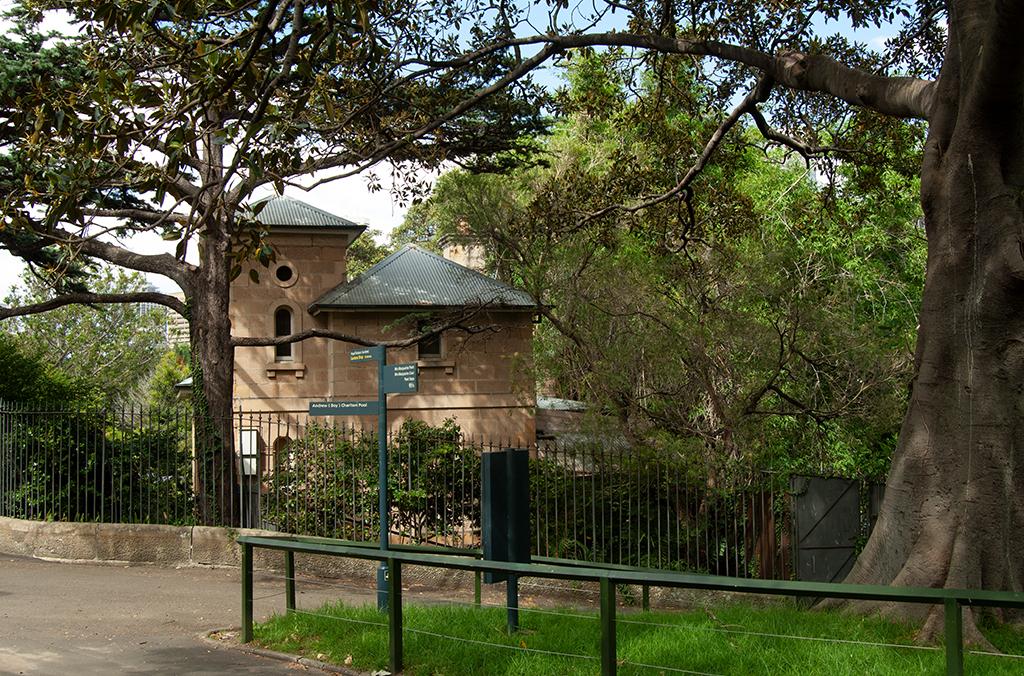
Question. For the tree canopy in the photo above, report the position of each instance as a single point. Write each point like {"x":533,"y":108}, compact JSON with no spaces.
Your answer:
{"x":777,"y":326}
{"x":114,"y":347}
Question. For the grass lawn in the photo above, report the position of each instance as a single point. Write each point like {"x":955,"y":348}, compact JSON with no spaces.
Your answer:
{"x":732,"y":639}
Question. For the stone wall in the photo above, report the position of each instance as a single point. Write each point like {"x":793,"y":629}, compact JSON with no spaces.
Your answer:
{"x":484,"y":381}
{"x":184,"y":546}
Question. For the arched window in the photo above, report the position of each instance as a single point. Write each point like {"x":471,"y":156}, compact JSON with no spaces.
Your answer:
{"x":282,"y":458}
{"x":283,"y":327}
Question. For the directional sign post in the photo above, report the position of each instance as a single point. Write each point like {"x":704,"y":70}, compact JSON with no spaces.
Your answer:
{"x":395,"y":379}
{"x":371,"y":407}
{"x":401,"y":379}
{"x":376,"y":353}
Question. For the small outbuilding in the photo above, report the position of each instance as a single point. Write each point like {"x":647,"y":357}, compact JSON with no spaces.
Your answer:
{"x":482,"y":377}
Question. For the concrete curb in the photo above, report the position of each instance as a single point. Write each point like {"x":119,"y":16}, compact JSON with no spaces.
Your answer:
{"x":230,"y":643}
{"x":183,"y":546}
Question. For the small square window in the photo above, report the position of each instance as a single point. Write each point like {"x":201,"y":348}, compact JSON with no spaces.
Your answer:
{"x":428,"y":348}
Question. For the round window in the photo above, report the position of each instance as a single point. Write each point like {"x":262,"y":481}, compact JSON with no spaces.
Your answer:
{"x":284,"y":274}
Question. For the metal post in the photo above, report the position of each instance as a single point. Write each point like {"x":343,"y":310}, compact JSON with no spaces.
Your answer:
{"x":645,"y":597}
{"x":246,"y":593}
{"x":608,"y":663}
{"x":382,"y":478}
{"x":289,"y":583}
{"x":395,"y":616}
{"x":954,"y":638}
{"x":512,"y":601}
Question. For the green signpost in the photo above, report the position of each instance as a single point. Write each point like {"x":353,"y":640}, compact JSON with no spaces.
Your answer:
{"x":401,"y":378}
{"x":370,"y":407}
{"x":394,"y":379}
{"x":375,"y":353}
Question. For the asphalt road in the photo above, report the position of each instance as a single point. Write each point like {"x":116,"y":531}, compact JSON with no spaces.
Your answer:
{"x":63,"y":618}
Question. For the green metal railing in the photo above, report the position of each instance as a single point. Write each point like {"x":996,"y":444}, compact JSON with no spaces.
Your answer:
{"x":952,"y":600}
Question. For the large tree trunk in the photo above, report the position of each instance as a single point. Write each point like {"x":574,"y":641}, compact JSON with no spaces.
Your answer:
{"x":953,"y":514}
{"x":217,"y":489}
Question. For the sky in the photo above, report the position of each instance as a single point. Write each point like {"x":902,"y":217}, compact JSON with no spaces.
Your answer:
{"x":348,"y":198}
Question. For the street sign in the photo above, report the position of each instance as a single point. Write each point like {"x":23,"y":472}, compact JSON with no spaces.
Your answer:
{"x":375,"y":353}
{"x":343,"y":408}
{"x":401,"y":378}
{"x":379,"y":408}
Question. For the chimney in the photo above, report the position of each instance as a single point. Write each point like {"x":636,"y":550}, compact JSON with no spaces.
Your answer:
{"x":462,"y":247}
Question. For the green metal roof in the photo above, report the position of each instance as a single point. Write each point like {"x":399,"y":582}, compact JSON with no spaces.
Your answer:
{"x":415,"y":278}
{"x":285,"y":212}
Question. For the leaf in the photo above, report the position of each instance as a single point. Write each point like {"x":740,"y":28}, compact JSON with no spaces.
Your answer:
{"x":254,"y":276}
{"x":235,"y":271}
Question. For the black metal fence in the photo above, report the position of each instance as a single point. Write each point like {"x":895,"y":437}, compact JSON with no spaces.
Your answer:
{"x":589,"y":501}
{"x":115,"y":465}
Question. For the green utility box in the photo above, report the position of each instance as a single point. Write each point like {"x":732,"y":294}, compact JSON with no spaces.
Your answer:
{"x":505,"y":508}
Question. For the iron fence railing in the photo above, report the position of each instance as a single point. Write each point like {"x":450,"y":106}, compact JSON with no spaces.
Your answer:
{"x":116,"y":465}
{"x":589,"y":502}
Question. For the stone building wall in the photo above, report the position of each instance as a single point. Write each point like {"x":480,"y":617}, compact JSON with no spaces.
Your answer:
{"x":263,"y":382}
{"x":484,"y":381}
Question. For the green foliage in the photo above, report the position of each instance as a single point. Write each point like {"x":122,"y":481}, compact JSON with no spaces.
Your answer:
{"x":112,"y":347}
{"x":762,"y":315}
{"x":325,"y":483}
{"x":364,"y":253}
{"x":114,"y":466}
{"x":418,"y":227}
{"x":172,"y":368}
{"x":434,"y":481}
{"x":27,"y":379}
{"x":715,"y":637}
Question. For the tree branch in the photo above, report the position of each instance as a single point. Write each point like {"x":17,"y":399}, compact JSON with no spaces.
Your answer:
{"x":805,"y":150}
{"x":266,"y":341}
{"x":143,"y":215}
{"x":896,"y":96}
{"x":160,"y":264}
{"x":757,"y":95}
{"x":95,"y":299}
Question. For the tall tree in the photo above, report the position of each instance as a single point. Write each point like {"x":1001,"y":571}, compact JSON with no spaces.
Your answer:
{"x":170,"y":115}
{"x":776,"y":328}
{"x":953,"y":514}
